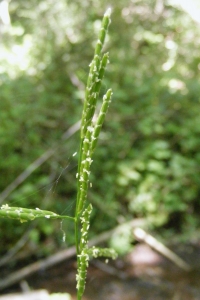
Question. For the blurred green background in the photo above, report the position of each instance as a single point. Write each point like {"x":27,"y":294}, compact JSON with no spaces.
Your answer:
{"x":147,"y":163}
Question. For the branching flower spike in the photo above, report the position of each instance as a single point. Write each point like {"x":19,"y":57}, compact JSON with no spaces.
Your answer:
{"x":90,"y":131}
{"x":89,"y":136}
{"x":95,"y":76}
{"x":26,"y":214}
{"x":83,"y":257}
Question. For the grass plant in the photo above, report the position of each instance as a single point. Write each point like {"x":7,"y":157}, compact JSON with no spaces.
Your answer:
{"x":89,"y":134}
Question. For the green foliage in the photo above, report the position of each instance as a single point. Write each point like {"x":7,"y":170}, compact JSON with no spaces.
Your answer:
{"x":122,"y":236}
{"x":147,"y":165}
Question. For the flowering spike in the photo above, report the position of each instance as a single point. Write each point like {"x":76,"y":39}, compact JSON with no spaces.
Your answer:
{"x":103,"y":31}
{"x":89,"y":136}
{"x":101,"y":117}
{"x":26,"y":214}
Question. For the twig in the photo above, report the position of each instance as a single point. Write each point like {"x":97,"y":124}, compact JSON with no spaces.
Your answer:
{"x":20,"y":243}
{"x":59,"y":257}
{"x":54,"y":259}
{"x":158,"y":246}
{"x":37,"y":163}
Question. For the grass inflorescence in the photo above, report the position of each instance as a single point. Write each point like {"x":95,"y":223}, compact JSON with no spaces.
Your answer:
{"x":89,"y":135}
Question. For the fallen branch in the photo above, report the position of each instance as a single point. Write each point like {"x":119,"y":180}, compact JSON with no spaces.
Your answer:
{"x":141,"y":235}
{"x":58,"y":257}
{"x":54,"y":259}
{"x":20,"y":243}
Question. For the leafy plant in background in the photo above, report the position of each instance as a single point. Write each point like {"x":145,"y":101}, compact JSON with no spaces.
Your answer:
{"x":152,"y":171}
{"x":90,"y":131}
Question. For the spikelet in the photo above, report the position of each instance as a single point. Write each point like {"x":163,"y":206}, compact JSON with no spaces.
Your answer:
{"x":26,"y":214}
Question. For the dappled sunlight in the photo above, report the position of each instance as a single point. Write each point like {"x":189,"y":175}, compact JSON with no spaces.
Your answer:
{"x":192,"y":7}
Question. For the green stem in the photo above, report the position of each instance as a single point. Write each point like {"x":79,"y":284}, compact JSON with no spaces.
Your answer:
{"x":88,"y":139}
{"x":76,"y":237}
{"x":76,"y":224}
{"x":78,"y":177}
